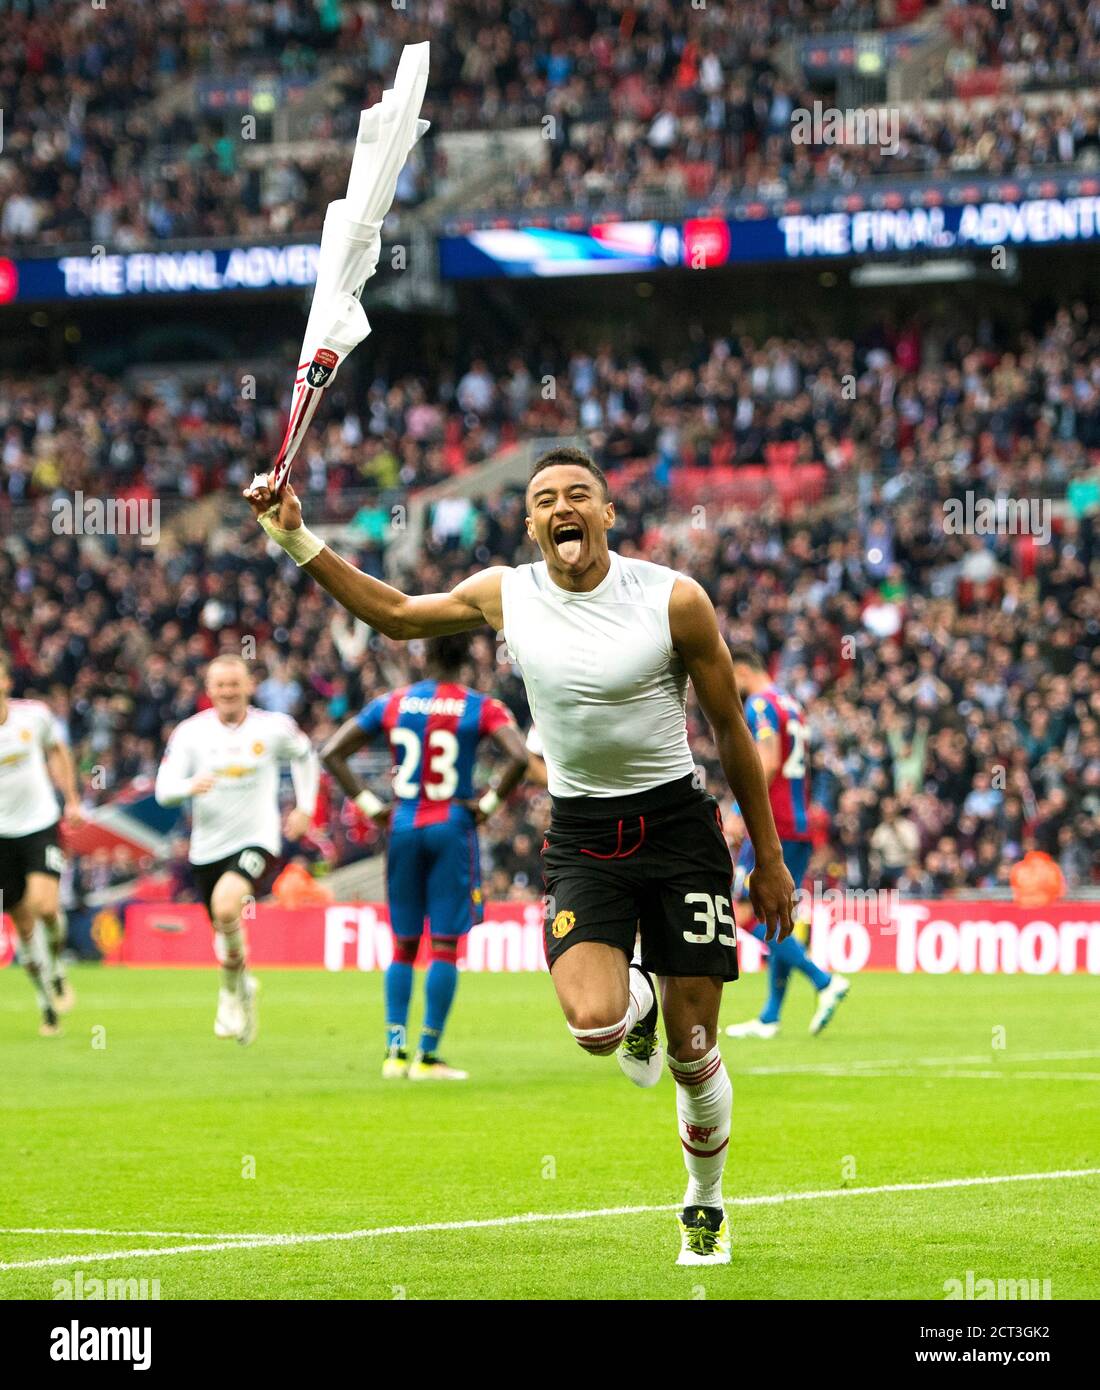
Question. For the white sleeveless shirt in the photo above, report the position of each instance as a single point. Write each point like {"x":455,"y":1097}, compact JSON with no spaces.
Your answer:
{"x":605,"y":685}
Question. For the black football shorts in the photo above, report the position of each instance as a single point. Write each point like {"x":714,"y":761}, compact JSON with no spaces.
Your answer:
{"x":655,"y":862}
{"x":20,"y":855}
{"x":252,"y":863}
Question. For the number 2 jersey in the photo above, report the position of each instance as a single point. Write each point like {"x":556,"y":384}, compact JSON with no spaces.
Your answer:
{"x":773,"y":714}
{"x":433,"y":728}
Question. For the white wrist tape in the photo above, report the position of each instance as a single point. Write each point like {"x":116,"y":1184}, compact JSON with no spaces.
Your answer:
{"x":300,"y":544}
{"x":489,"y":803}
{"x":368,"y":803}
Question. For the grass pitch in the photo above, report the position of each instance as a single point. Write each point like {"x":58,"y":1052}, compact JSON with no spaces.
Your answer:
{"x":140,"y":1137}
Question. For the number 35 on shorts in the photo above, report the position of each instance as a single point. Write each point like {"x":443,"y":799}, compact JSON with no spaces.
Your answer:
{"x":711,"y":913}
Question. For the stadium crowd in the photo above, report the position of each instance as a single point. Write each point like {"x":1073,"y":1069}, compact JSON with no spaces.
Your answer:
{"x":686,"y":103}
{"x":915,"y":398}
{"x":1041,"y":43}
{"x":737,"y":138}
{"x":98,"y":149}
{"x":952,"y":678}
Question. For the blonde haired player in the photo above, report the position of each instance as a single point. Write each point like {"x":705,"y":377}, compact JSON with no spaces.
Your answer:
{"x":606,"y":645}
{"x":33,"y":760}
{"x":226,"y":760}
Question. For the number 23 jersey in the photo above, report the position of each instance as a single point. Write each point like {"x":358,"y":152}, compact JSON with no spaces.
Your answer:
{"x":433,"y":728}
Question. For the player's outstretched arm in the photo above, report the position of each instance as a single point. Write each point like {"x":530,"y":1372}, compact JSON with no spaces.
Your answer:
{"x":470,"y":604}
{"x":695,"y":636}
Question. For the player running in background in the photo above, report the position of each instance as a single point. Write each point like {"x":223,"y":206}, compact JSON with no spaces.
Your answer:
{"x":225,"y":760}
{"x":433,"y":863}
{"x":606,"y":645}
{"x":33,"y":761}
{"x":781,"y":740}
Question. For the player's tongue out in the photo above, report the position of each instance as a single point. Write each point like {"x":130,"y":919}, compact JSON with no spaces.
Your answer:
{"x":569,"y":538}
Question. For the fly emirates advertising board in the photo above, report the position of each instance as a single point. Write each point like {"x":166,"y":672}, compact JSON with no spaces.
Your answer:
{"x":880,"y":932}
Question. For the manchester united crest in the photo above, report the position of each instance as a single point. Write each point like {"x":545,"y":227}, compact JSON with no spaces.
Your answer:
{"x":564,"y":923}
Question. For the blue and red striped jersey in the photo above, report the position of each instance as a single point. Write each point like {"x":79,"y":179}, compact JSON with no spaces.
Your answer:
{"x":774,"y":714}
{"x":433,"y":728}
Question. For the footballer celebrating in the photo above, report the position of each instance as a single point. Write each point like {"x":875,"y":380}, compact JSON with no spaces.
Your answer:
{"x":605,"y":645}
{"x":433,"y":863}
{"x":33,"y":761}
{"x":226,"y":760}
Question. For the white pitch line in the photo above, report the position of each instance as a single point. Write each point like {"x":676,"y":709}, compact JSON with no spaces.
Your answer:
{"x":1054,"y":1075}
{"x":892,"y":1063}
{"x":100,"y":1231}
{"x":534,"y":1218}
{"x":948,"y":1074}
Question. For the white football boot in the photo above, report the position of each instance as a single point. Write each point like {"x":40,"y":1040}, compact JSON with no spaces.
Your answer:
{"x":250,"y":1010}
{"x":229,"y":1020}
{"x":396,"y":1065}
{"x":827,"y":1001}
{"x":431,"y":1068}
{"x":754,"y":1028}
{"x":704,"y":1236}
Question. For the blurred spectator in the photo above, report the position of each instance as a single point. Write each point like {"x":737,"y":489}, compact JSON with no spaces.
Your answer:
{"x":893,"y":844}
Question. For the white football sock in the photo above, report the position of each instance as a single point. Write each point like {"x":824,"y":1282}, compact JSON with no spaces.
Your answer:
{"x":55,"y":929}
{"x":641,"y":997}
{"x":232,"y":956}
{"x":704,"y":1105}
{"x":601,"y":1041}
{"x":32,"y":957}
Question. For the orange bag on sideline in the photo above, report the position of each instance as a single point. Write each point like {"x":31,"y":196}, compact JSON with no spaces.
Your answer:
{"x":296,"y":887}
{"x":1036,"y":880}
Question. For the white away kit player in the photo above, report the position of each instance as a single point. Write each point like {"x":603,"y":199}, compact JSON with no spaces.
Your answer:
{"x":33,"y":760}
{"x":226,"y":762}
{"x":606,"y":645}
